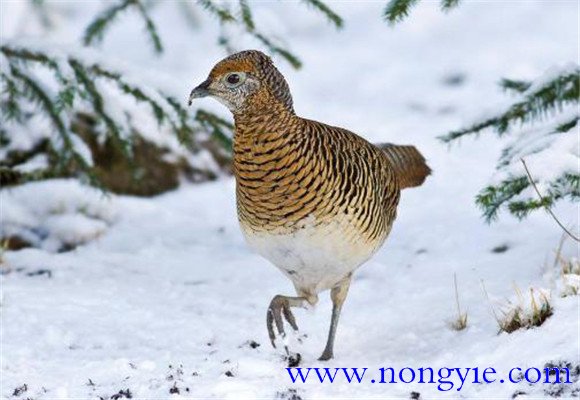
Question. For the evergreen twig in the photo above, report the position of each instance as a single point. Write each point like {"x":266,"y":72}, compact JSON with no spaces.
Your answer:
{"x":275,"y":49}
{"x":19,"y":84}
{"x":397,"y":10}
{"x":332,"y":17}
{"x":546,"y":206}
{"x":447,"y":5}
{"x":150,"y":27}
{"x":99,"y":107}
{"x":247,"y":17}
{"x":537,"y":103}
{"x":218,"y":126}
{"x":516,"y":86}
{"x":223,"y":14}
{"x":95,"y":31}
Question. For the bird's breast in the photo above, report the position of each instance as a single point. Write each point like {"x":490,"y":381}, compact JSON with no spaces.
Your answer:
{"x":315,"y":256}
{"x":279,"y":182}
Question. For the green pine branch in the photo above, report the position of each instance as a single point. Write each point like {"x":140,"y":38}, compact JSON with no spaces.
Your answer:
{"x":10,"y":176}
{"x":149,"y":27}
{"x":37,"y":94}
{"x":220,"y":129}
{"x":184,"y":130}
{"x":332,"y":16}
{"x":10,"y":108}
{"x":507,"y":194}
{"x":276,"y":49}
{"x":537,"y":103}
{"x":447,"y":5}
{"x":97,"y":101}
{"x":221,"y":13}
{"x":512,"y":153}
{"x":20,"y":85}
{"x":397,"y":10}
{"x":248,"y":24}
{"x":516,"y":86}
{"x":247,"y":17}
{"x":568,"y":125}
{"x":40,"y":8}
{"x":96,"y":30}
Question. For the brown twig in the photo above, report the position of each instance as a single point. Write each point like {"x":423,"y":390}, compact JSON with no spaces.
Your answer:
{"x":543,"y":201}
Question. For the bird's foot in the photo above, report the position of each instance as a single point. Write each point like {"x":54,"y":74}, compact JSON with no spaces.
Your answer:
{"x":326,"y":355}
{"x":278,"y":310}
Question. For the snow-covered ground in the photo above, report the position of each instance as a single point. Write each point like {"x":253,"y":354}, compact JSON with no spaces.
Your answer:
{"x":165,"y":300}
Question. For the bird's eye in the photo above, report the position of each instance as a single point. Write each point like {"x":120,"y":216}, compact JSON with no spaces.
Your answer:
{"x":235,"y":79}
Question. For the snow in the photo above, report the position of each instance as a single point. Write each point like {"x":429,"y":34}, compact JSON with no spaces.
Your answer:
{"x":164,"y":292}
{"x":81,"y":148}
{"x":130,"y":115}
{"x":551,"y":74}
{"x":57,"y":213}
{"x":38,"y":162}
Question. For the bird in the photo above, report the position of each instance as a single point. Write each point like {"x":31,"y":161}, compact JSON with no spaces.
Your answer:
{"x":315,"y":200}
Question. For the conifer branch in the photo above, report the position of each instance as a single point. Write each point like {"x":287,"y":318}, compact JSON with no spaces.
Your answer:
{"x":506,"y":193}
{"x":218,"y":127}
{"x":537,"y":103}
{"x":40,"y":9}
{"x":223,"y":14}
{"x":247,"y":17}
{"x":568,"y":125}
{"x":397,"y":10}
{"x":247,"y":22}
{"x":10,"y":108}
{"x":275,"y":49}
{"x":555,"y":95}
{"x":99,"y":108}
{"x":447,"y":5}
{"x":149,"y":27}
{"x":37,"y":94}
{"x":332,"y":17}
{"x":20,"y":87}
{"x":516,"y":86}
{"x":546,"y":203}
{"x":95,"y":31}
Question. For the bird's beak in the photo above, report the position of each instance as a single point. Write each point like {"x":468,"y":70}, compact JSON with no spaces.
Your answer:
{"x":200,"y":91}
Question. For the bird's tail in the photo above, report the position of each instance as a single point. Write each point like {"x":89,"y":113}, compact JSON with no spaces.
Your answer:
{"x":409,"y":165}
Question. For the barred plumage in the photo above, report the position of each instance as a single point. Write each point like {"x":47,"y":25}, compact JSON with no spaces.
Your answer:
{"x":314,"y":199}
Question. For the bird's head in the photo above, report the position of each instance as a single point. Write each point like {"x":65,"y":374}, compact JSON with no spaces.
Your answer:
{"x":245,"y":80}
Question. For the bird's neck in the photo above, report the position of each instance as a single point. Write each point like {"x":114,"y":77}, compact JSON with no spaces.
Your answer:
{"x":268,"y":118}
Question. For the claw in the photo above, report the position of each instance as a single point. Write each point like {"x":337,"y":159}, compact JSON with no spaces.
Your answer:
{"x":279,"y":310}
{"x":270,"y":325}
{"x":290,"y":318}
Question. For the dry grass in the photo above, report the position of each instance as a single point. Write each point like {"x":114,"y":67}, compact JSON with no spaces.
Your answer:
{"x":4,"y":245}
{"x":568,"y":269}
{"x":526,"y":312}
{"x":529,"y":310}
{"x":460,"y":321}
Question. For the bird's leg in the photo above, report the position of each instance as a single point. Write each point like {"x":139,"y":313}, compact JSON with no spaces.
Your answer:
{"x":280,"y":307}
{"x":338,"y":295}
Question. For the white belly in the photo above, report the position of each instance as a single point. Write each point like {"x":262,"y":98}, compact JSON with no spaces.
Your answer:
{"x":315,"y":258}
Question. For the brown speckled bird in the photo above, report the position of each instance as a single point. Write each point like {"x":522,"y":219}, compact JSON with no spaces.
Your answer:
{"x":315,"y":200}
